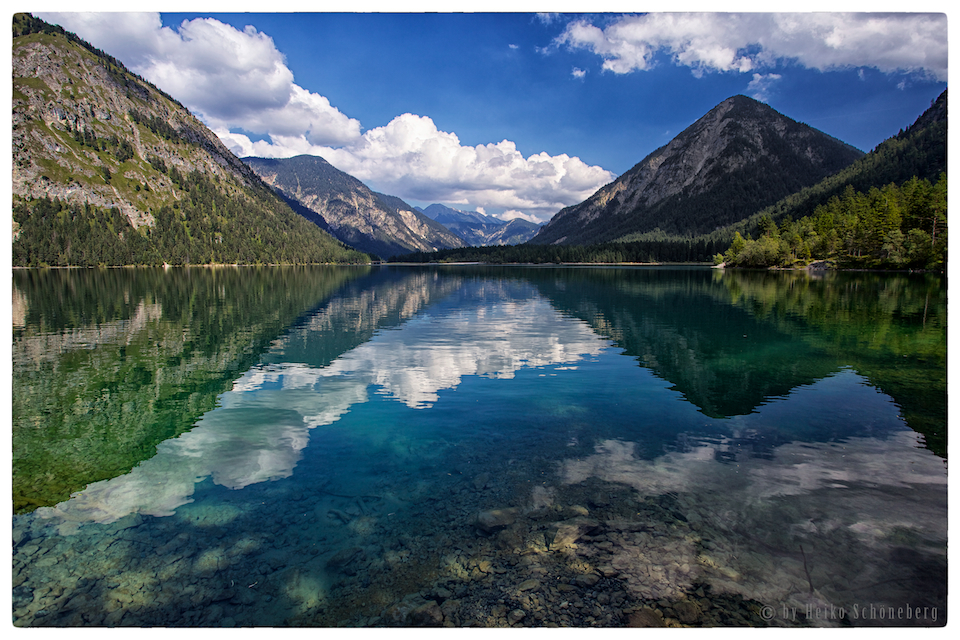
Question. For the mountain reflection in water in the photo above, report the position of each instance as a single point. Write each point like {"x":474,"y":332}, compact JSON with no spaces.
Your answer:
{"x":261,"y":425}
{"x":418,"y":444}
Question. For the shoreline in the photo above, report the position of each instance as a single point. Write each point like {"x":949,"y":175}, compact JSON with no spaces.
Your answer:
{"x":811,"y":268}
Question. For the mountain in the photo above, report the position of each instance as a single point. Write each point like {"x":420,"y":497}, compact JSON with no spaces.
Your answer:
{"x":350,"y":210}
{"x":448,"y":215}
{"x":739,"y":157}
{"x":479,"y":229}
{"x":395,"y":203}
{"x":516,"y":231}
{"x":887,"y":210}
{"x":449,"y":239}
{"x":109,"y":170}
{"x":936,"y":114}
{"x":920,"y":151}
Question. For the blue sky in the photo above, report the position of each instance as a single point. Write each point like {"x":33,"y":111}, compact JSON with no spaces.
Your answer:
{"x":518,"y":114}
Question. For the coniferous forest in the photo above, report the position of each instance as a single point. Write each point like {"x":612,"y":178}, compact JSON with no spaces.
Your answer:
{"x":896,"y":227}
{"x":205,"y":226}
{"x":641,"y":251}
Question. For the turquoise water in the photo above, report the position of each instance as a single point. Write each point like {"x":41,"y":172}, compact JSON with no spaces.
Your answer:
{"x":478,"y":447}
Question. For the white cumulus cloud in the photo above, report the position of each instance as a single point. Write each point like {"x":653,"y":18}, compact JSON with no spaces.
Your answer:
{"x":906,"y":42}
{"x":412,"y":157}
{"x":238,"y":83}
{"x":230,"y":78}
{"x":761,"y":85}
{"x":512,"y":214}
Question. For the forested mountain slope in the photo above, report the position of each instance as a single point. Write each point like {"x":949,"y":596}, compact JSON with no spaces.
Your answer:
{"x":887,"y":210}
{"x":739,"y":157}
{"x":109,"y":170}
{"x":919,"y":152}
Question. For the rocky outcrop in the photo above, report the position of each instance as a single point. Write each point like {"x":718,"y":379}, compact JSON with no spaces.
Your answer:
{"x":61,"y":88}
{"x":381,"y":225}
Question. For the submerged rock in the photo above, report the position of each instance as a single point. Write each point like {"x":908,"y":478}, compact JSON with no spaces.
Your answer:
{"x":509,"y":538}
{"x":529,"y":585}
{"x":587,"y":579}
{"x":413,"y":610}
{"x":451,"y":613}
{"x":343,"y":557}
{"x":481,"y":481}
{"x":496,"y":519}
{"x":516,"y":616}
{"x":646,"y":617}
{"x":427,"y":614}
{"x":564,"y":534}
{"x":688,"y":611}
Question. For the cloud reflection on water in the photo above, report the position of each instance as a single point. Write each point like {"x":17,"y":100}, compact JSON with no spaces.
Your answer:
{"x":261,"y":426}
{"x":869,"y":510}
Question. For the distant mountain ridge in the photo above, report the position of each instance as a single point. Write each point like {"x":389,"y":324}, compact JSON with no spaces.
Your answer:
{"x":516,"y":231}
{"x":479,"y":229}
{"x":382,"y":225}
{"x":739,"y":157}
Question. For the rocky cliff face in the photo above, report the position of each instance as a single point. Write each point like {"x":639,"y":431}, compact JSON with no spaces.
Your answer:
{"x":89,"y":135}
{"x":516,"y":231}
{"x":61,"y":88}
{"x":351,"y":211}
{"x":737,"y":158}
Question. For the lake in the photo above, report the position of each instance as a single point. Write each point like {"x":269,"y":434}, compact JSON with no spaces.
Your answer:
{"x":478,"y":446}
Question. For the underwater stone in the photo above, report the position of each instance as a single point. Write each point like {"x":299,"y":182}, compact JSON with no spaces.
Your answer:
{"x":427,"y":614}
{"x":494,"y":519}
{"x":598,"y":500}
{"x":212,"y":616}
{"x":343,"y":557}
{"x":20,"y":534}
{"x":509,"y":538}
{"x":516,"y":616}
{"x":646,"y":617}
{"x":587,"y":579}
{"x":128,"y":522}
{"x":688,"y":611}
{"x":480,"y":482}
{"x":398,"y":613}
{"x":608,"y":571}
{"x":528,"y":585}
{"x":568,"y":532}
